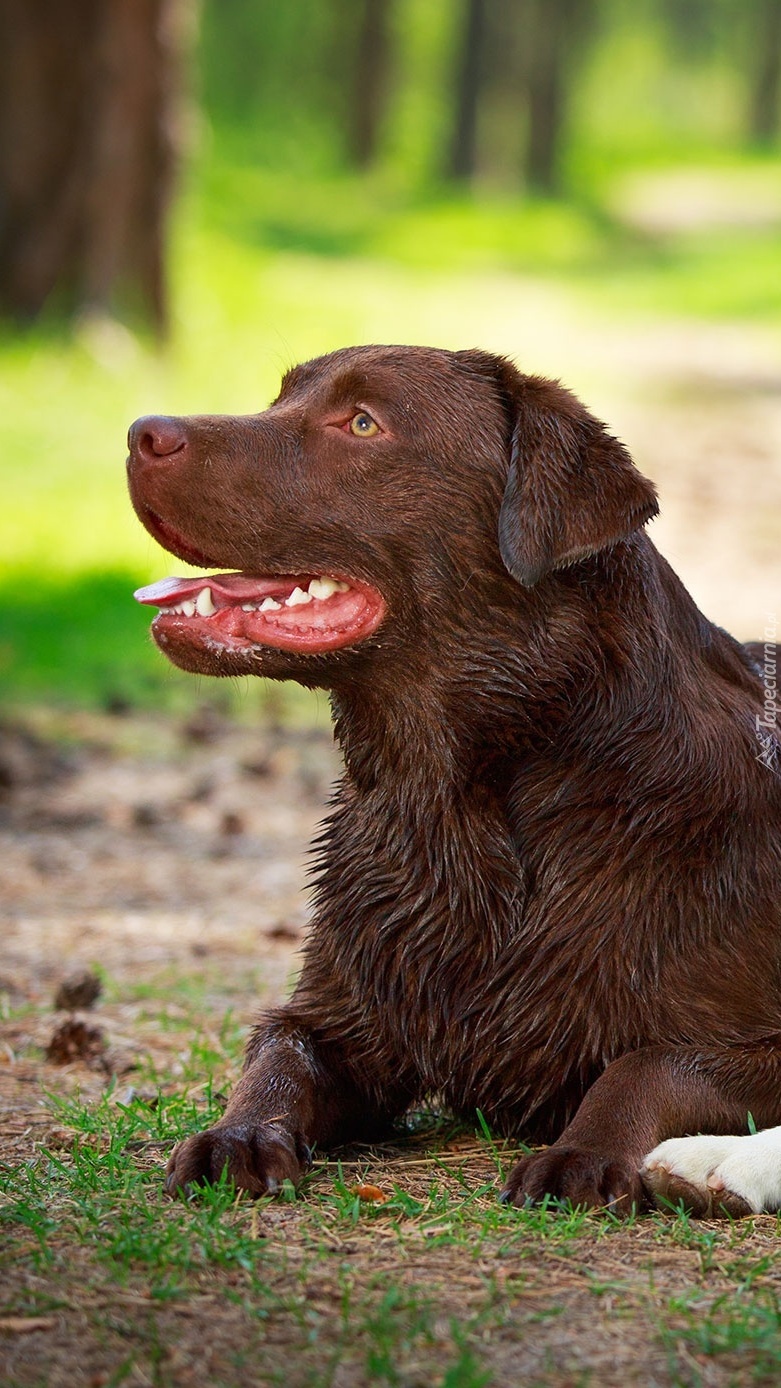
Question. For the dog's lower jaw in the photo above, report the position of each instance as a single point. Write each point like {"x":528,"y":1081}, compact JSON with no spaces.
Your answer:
{"x":219,"y":656}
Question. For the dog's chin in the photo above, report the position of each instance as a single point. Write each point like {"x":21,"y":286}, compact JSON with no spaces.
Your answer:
{"x":205,"y":656}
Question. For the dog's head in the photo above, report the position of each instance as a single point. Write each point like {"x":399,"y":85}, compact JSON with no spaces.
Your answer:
{"x":386,"y":488}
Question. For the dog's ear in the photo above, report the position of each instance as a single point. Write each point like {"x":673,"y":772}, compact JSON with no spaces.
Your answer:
{"x":572,"y":489}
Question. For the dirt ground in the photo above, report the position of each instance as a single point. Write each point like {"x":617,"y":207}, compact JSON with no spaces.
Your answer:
{"x":169,"y":857}
{"x":150,"y":848}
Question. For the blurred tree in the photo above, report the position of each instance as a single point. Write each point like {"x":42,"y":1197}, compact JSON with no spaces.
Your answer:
{"x":693,"y":28}
{"x":273,"y":75}
{"x":748,"y":34}
{"x":469,"y":82}
{"x":528,"y":48}
{"x":370,"y":79}
{"x":765,"y":101}
{"x":297,"y":85}
{"x":87,"y":96}
{"x":503,"y":107}
{"x":555,"y":34}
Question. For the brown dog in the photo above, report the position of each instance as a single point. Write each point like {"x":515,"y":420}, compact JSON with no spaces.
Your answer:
{"x":549,"y":882}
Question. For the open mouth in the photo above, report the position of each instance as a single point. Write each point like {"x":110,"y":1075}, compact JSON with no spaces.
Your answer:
{"x":309,"y":614}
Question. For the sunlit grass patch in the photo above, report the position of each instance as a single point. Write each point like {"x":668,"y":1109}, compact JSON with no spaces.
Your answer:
{"x":80,"y":640}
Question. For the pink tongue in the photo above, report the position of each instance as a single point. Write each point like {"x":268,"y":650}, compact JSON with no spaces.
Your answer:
{"x":231,"y":587}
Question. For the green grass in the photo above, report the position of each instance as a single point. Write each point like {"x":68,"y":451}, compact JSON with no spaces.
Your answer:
{"x":586,"y":242}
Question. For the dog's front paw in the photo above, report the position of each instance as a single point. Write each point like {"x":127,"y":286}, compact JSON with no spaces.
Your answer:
{"x":256,"y":1157}
{"x":590,"y":1179}
{"x":714,"y":1176}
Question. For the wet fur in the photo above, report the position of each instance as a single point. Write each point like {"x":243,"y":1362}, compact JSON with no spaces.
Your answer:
{"x":548,"y":884}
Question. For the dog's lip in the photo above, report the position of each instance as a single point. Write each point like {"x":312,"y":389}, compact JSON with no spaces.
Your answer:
{"x":172,"y":540}
{"x":308,"y":615}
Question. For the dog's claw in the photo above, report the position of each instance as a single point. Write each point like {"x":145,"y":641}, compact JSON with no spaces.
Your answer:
{"x":583,"y":1177}
{"x":256,"y":1158}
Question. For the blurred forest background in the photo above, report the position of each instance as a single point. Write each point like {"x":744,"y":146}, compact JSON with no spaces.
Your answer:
{"x":195,"y":195}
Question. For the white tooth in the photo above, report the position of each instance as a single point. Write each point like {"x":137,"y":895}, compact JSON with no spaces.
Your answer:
{"x":269,"y":605}
{"x":188,"y":608}
{"x":322,"y":588}
{"x":203,"y":603}
{"x":341,"y":587}
{"x":297,"y":598}
{"x":248,"y":607}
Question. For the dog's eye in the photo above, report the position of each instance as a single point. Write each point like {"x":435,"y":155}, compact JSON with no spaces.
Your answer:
{"x":363,"y":426}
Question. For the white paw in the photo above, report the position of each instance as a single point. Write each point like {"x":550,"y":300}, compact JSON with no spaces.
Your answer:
{"x":714,"y":1175}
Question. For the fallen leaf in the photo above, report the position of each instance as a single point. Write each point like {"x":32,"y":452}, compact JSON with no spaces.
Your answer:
{"x":369,"y":1193}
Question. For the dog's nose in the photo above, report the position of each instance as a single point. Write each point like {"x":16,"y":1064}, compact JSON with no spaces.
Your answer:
{"x":155,"y":437}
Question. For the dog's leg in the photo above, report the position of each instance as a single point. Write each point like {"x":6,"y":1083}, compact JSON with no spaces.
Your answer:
{"x":294,"y":1094}
{"x":643,"y":1099}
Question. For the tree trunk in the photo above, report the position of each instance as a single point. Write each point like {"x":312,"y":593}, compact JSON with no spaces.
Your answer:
{"x":87,"y":95}
{"x":766,"y":85}
{"x":503,"y":94}
{"x":371,"y":80}
{"x":462,"y":162}
{"x":545,"y":91}
{"x":557,"y":31}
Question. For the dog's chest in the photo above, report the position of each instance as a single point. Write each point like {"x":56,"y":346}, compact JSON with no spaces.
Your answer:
{"x":452,"y":960}
{"x":425,"y":910}
{"x":423,"y":885}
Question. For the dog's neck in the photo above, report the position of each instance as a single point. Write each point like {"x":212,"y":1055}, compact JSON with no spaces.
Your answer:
{"x":474,"y":695}
{"x":483,"y":706}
